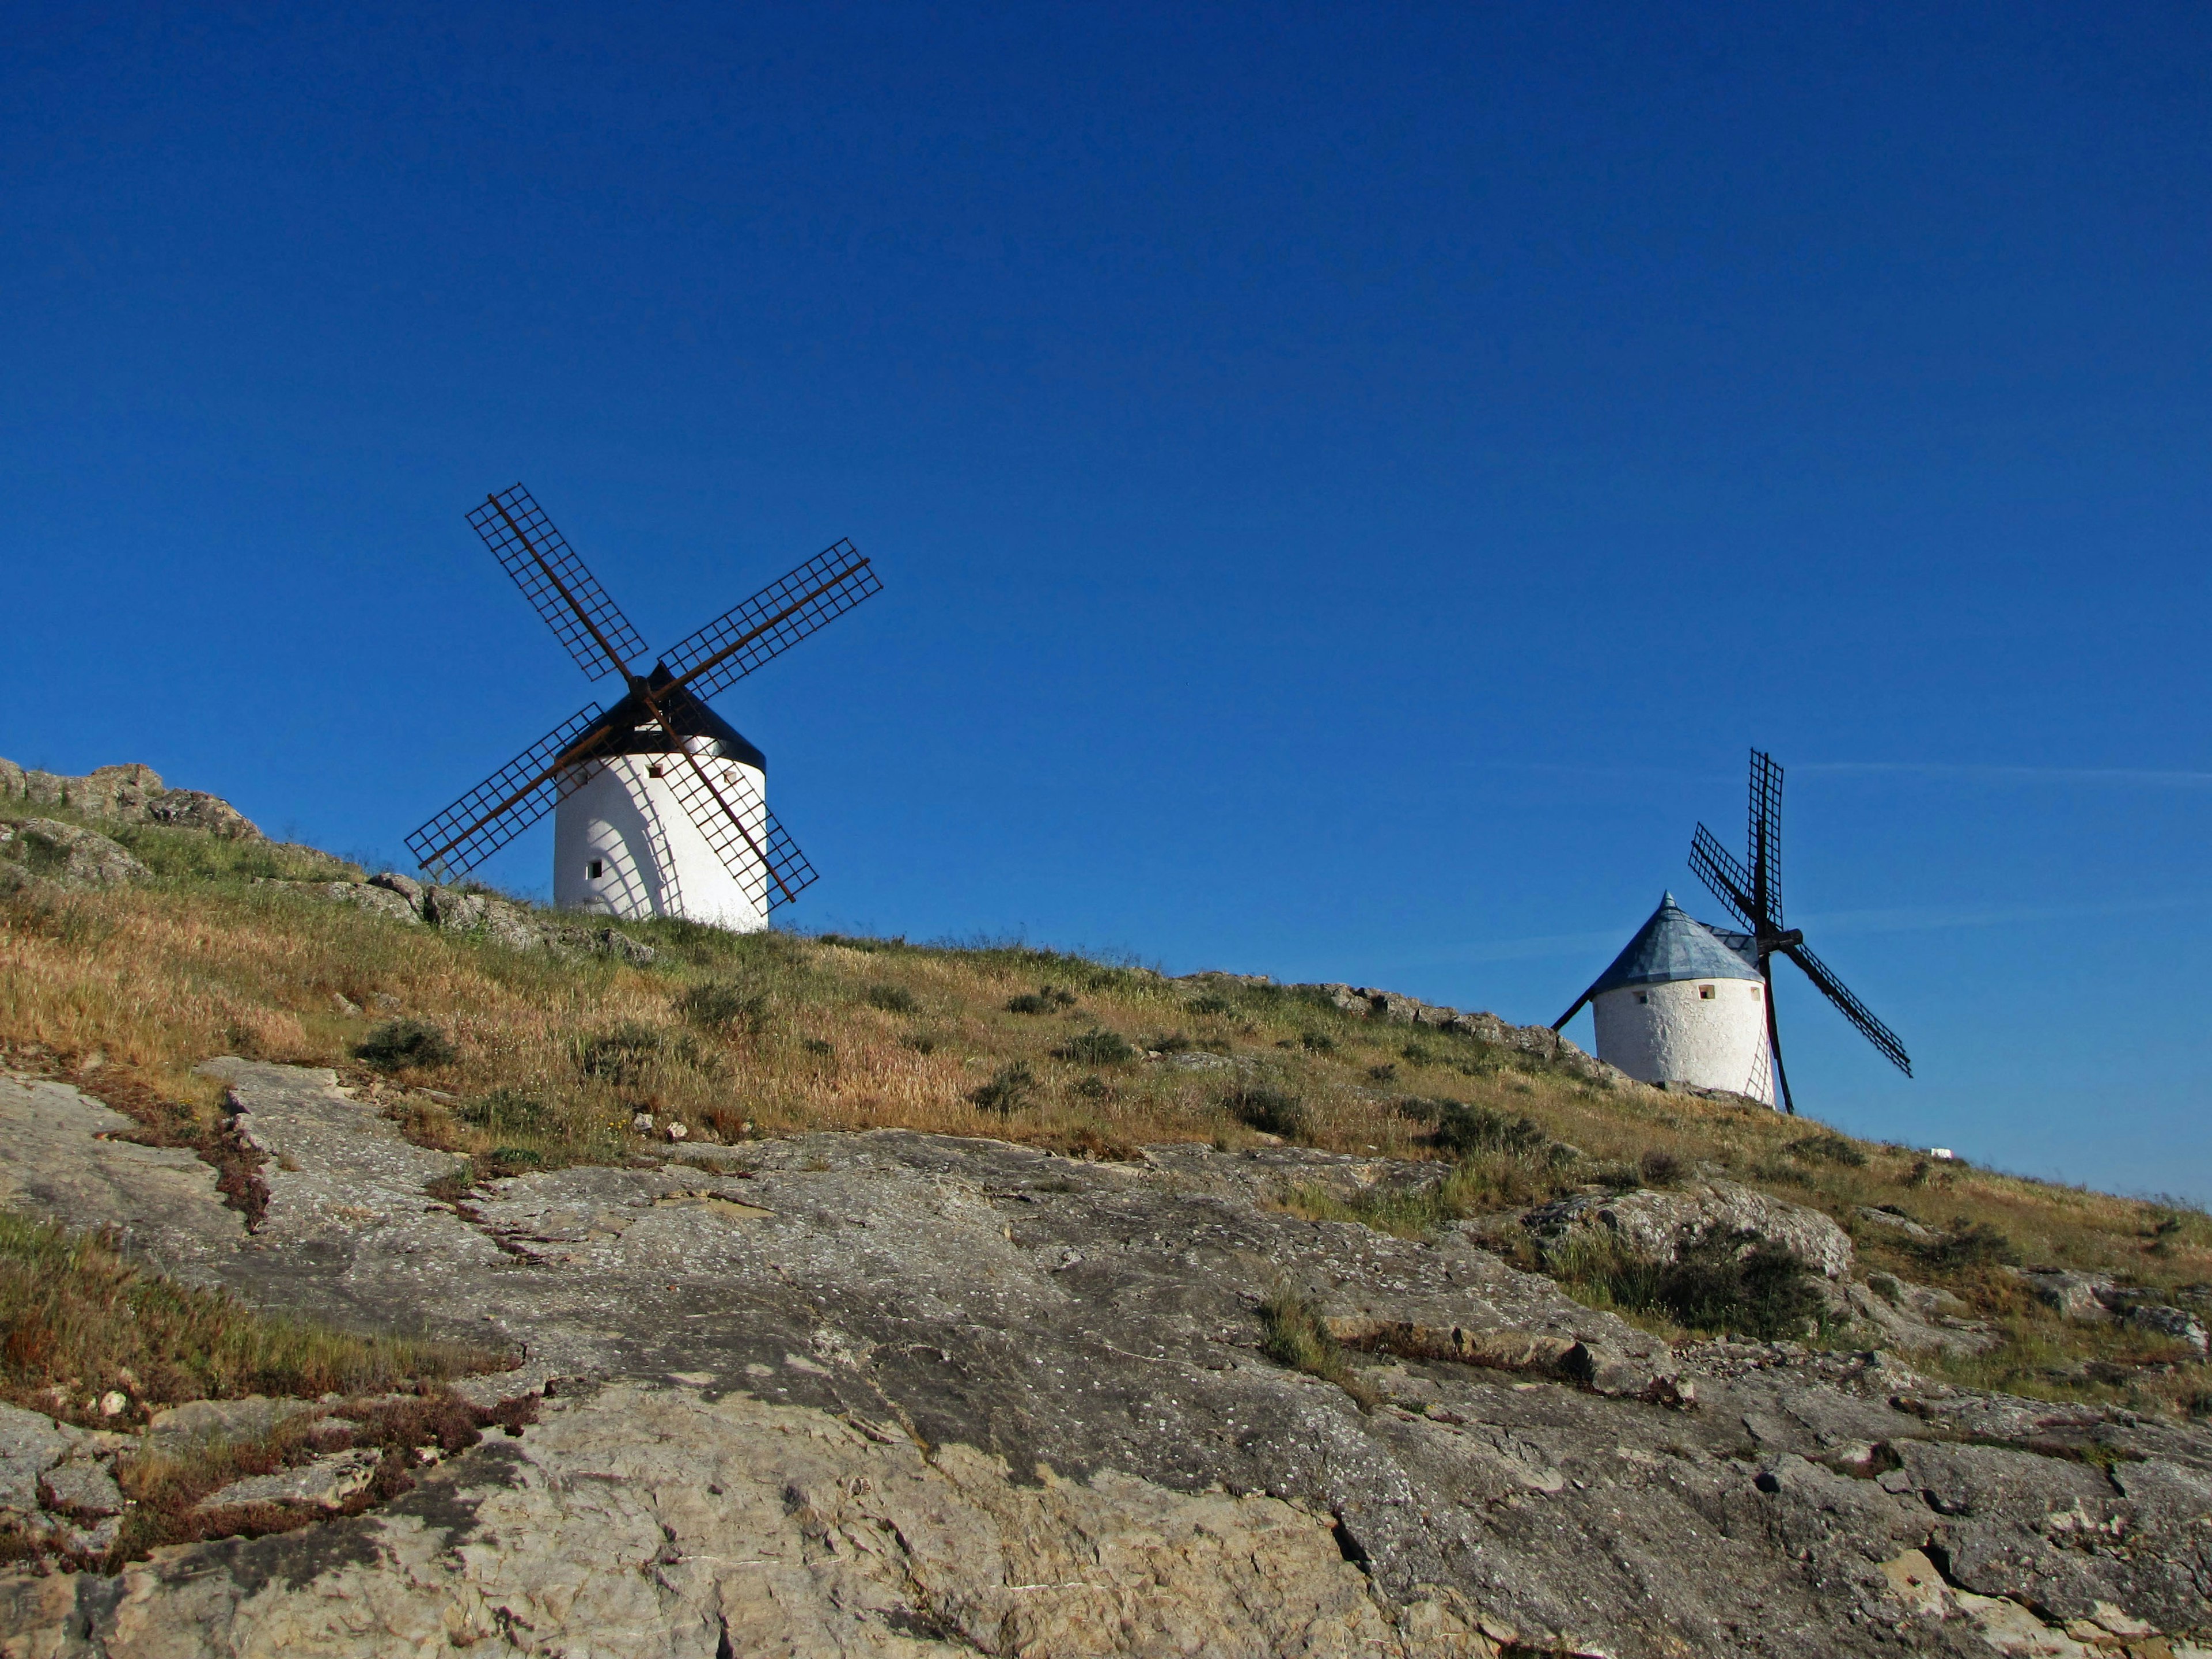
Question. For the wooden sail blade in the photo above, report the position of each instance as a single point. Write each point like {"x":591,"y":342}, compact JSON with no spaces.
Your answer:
{"x":557,"y":583}
{"x":1765,"y":838}
{"x":1730,"y":882}
{"x":725,"y":809}
{"x":505,"y":803}
{"x":1853,"y":1010}
{"x":774,"y":620}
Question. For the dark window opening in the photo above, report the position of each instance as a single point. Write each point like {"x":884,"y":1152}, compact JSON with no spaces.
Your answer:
{"x":595,"y":869}
{"x":1706,"y":993}
{"x":654,"y":771}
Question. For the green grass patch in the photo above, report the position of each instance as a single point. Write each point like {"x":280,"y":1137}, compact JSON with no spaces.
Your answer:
{"x":77,"y":1322}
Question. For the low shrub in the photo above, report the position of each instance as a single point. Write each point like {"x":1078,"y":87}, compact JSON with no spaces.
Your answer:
{"x":1096,"y":1047}
{"x":1827,"y":1149}
{"x":1211,"y":1004}
{"x":1969,"y":1244}
{"x":891,"y":999}
{"x":1045,"y":1000}
{"x":1293,"y":1335}
{"x":1271,"y":1111}
{"x":1660,"y":1168}
{"x":722,"y":1005}
{"x":620,"y":1053}
{"x":1316,"y":1042}
{"x":1738,"y":1282}
{"x":1011,"y":1088}
{"x":1463,"y":1130}
{"x":505,"y":1110}
{"x":402,"y":1042}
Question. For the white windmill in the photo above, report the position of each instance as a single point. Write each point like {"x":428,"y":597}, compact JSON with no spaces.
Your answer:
{"x":661,"y":806}
{"x":1674,"y":1006}
{"x":1683,"y":1003}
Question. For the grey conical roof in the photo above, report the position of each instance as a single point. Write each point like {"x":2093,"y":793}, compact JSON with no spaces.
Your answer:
{"x":1674,"y":945}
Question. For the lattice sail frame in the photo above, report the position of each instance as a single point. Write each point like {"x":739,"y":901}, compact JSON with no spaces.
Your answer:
{"x":774,"y":620}
{"x":557,"y":584}
{"x":1766,"y":837}
{"x":1755,"y":897}
{"x":732,"y":816}
{"x":766,"y":863}
{"x":505,"y":803}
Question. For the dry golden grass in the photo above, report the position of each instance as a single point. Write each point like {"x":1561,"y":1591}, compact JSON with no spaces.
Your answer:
{"x":734,"y":1035}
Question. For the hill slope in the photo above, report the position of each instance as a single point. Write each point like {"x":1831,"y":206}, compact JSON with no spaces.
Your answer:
{"x":1430,"y":1307}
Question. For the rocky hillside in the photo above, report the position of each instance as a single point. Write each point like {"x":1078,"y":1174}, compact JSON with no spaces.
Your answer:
{"x":791,"y":1296}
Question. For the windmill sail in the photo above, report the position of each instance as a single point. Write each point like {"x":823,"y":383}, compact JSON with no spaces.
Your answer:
{"x":555,"y":581}
{"x":1853,"y":1010}
{"x":504,"y":804}
{"x":774,"y":620}
{"x":1729,"y":881}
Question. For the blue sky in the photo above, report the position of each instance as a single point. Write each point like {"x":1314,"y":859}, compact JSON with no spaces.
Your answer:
{"x":1351,"y":484}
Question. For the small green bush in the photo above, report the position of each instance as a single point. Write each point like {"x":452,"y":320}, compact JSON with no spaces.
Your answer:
{"x":1827,"y":1149}
{"x":1660,"y":1168}
{"x":1096,"y":1047}
{"x":1970,"y":1244}
{"x":505,"y":1110}
{"x":619,"y":1054}
{"x":404,"y":1041}
{"x":891,"y":999}
{"x":722,"y":1005}
{"x":1271,"y":1111}
{"x":1316,"y":1042}
{"x":1463,"y":1130}
{"x":1045,"y":1000}
{"x":1011,"y":1088}
{"x":1739,"y":1282}
{"x":1211,"y":1004}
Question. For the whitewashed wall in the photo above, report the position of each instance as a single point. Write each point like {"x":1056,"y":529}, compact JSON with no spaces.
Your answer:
{"x":1675,"y":1035}
{"x":653,"y":860}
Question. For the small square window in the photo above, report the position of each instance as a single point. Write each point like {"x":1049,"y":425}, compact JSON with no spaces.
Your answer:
{"x":1643,"y":996}
{"x":654,"y":771}
{"x":1706,"y":993}
{"x":595,"y":869}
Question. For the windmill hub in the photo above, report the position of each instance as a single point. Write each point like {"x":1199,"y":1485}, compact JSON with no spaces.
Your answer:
{"x":661,"y":806}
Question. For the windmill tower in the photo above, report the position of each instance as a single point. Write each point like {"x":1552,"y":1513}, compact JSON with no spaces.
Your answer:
{"x":661,"y":806}
{"x":1651,"y":1032}
{"x":1683,"y":1003}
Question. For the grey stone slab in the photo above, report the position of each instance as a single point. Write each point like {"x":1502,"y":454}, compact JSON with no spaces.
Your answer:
{"x":59,"y":1159}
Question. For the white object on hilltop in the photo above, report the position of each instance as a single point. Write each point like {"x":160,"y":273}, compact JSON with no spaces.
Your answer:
{"x":1944,"y":1152}
{"x":660,"y":806}
{"x":625,"y":846}
{"x":1683,"y":1003}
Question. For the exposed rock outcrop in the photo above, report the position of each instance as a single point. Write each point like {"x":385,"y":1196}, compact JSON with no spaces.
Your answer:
{"x":131,"y":794}
{"x":47,"y":850}
{"x":902,"y":1394}
{"x":1659,"y":1225}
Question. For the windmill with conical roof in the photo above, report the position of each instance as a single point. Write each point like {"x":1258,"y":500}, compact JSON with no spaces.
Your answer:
{"x":1673,"y":1006}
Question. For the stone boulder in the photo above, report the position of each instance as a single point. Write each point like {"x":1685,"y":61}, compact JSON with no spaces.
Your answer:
{"x":195,"y":809}
{"x":406,"y":886}
{"x":129,"y":793}
{"x":75,"y":858}
{"x":2176,"y":1322}
{"x":1659,"y":1226}
{"x":2086,"y":1297}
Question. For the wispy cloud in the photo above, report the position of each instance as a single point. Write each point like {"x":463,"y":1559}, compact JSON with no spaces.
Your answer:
{"x":1817,"y":926}
{"x":1936,"y":918}
{"x":2119,"y":776}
